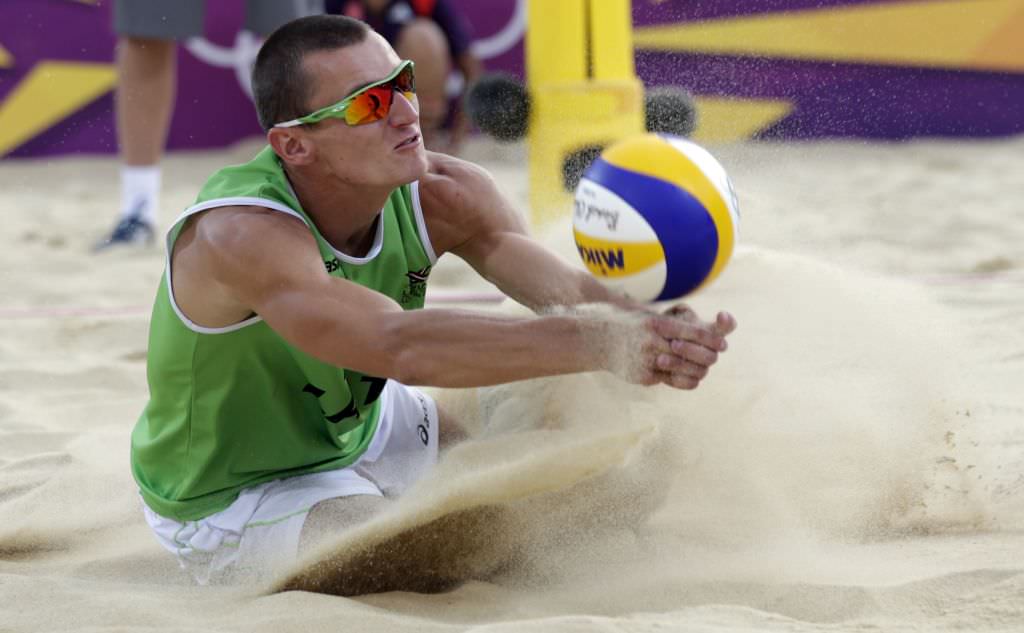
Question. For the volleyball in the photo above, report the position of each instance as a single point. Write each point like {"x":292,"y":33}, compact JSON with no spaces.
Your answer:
{"x":655,"y":217}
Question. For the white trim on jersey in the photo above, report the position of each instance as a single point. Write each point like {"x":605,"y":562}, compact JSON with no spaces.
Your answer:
{"x":378,"y":239}
{"x":242,"y":201}
{"x":421,"y":224}
{"x":204,"y":206}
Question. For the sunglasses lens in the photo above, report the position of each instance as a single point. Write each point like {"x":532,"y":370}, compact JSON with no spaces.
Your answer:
{"x":405,"y":82}
{"x":372,"y":105}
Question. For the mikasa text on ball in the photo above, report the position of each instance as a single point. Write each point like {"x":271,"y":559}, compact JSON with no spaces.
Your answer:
{"x":655,"y":217}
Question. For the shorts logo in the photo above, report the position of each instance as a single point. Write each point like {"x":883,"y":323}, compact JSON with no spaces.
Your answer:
{"x":424,"y":428}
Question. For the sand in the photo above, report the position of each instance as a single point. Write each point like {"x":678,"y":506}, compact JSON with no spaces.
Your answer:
{"x":854,"y":463}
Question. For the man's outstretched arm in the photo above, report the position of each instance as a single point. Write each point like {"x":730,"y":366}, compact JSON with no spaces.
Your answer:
{"x":268,"y":263}
{"x":469,"y":216}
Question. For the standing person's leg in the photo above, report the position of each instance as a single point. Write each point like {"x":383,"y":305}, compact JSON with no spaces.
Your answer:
{"x":144,"y":101}
{"x":144,"y":98}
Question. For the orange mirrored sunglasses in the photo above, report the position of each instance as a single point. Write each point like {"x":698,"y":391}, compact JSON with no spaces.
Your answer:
{"x":366,"y":105}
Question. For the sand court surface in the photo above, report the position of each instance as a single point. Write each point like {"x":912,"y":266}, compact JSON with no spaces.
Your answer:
{"x":854,"y":463}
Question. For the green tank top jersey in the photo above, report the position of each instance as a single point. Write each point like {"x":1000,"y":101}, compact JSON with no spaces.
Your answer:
{"x":236,"y":406}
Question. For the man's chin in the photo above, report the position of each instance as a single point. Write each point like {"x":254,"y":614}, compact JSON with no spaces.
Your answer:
{"x":418,"y":163}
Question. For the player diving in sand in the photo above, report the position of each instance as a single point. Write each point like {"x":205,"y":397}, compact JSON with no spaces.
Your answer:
{"x":289,"y":325}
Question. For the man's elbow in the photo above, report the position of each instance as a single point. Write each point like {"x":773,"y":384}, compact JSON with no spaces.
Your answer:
{"x":403,"y":355}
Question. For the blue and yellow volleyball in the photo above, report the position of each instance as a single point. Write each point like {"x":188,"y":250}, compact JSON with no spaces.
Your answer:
{"x":655,"y":217}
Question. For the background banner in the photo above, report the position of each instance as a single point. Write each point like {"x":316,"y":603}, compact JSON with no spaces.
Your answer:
{"x":787,"y":69}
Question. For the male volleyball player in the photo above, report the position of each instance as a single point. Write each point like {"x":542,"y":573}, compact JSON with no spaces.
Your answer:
{"x":286,"y":330}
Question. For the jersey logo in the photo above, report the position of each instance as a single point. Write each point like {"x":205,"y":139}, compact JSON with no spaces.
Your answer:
{"x":348,"y":417}
{"x":332,"y":265}
{"x":417,"y":288}
{"x":418,"y":276}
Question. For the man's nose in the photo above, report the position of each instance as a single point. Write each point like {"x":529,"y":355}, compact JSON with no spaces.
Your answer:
{"x":404,"y":110}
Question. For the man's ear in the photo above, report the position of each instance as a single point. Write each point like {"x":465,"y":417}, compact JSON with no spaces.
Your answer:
{"x":292,"y":145}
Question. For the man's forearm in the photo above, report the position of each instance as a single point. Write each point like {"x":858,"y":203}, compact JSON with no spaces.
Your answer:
{"x":453,"y":348}
{"x":567,"y":286}
{"x":540,"y":279}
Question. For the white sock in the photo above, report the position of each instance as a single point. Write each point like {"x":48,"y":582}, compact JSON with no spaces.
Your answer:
{"x":140,"y":192}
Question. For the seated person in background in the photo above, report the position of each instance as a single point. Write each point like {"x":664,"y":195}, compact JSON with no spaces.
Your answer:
{"x":437,"y":38}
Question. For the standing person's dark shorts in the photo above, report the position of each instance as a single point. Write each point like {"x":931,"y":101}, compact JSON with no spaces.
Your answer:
{"x":180,"y":19}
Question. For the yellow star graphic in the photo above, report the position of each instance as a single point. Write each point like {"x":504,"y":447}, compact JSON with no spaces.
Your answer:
{"x":49,"y":93}
{"x":727,"y":120}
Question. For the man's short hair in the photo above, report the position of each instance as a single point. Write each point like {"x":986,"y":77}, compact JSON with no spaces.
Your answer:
{"x":280,"y":86}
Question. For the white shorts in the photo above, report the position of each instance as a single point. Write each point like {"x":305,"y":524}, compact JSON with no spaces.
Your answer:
{"x":259,"y":533}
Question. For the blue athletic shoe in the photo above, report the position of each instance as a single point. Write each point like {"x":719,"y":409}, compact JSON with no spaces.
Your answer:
{"x":131,"y":230}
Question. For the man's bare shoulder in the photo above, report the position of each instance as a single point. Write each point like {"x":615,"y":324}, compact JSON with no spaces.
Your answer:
{"x":224,"y":259}
{"x":231,"y":229}
{"x":460,"y":199}
{"x":228,"y":243}
{"x":453,"y":182}
{"x":439,"y":164}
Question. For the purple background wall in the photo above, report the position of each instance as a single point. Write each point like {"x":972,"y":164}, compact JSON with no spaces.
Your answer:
{"x":832,"y":98}
{"x":836,"y":98}
{"x":211,"y":108}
